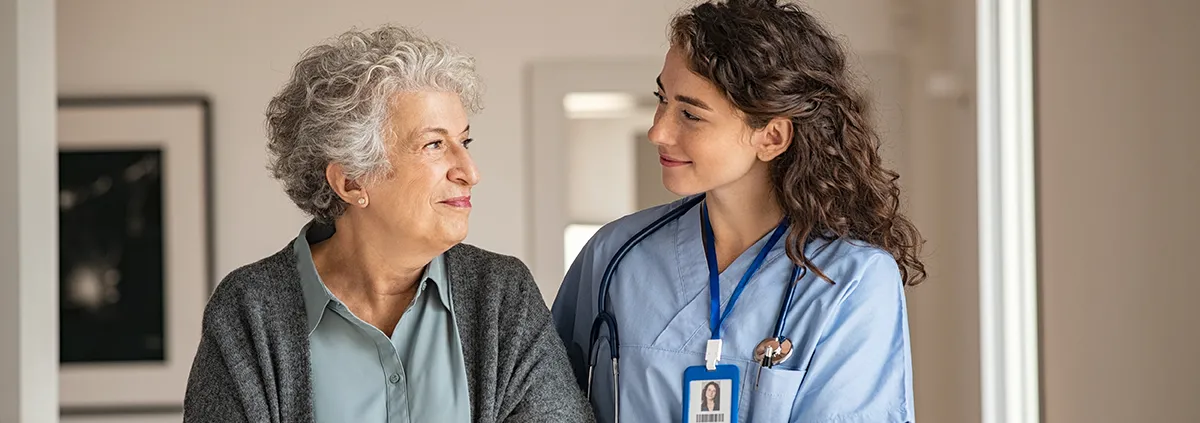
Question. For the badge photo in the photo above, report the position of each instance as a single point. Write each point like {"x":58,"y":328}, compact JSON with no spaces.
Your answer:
{"x":710,"y":396}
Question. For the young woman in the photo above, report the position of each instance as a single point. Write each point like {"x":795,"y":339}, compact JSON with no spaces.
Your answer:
{"x":712,"y":397}
{"x":783,"y":267}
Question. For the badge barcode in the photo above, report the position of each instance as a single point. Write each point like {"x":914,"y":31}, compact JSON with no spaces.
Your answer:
{"x":710,"y":418}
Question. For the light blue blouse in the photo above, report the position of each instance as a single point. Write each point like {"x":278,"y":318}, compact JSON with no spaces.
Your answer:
{"x":361,"y":375}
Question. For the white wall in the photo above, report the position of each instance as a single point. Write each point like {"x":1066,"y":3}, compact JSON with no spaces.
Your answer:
{"x":28,"y":210}
{"x":648,"y":184}
{"x":1120,"y":209}
{"x":601,"y":167}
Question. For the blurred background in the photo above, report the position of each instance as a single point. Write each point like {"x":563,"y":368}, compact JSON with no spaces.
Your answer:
{"x":561,"y":149}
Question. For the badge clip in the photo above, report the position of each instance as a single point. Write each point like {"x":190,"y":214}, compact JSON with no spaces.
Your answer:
{"x":712,"y":354}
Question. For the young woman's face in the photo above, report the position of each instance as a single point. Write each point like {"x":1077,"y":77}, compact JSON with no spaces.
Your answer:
{"x":703,"y":142}
{"x":710,"y":392}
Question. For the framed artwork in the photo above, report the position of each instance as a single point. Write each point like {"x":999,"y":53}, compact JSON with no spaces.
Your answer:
{"x":135,"y":250}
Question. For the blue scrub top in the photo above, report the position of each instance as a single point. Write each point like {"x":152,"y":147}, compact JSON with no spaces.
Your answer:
{"x":851,"y":360}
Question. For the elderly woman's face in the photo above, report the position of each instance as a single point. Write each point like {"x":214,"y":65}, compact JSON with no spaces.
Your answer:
{"x":428,"y":196}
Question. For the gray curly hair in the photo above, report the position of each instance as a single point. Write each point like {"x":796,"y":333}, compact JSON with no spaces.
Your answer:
{"x":334,"y":108}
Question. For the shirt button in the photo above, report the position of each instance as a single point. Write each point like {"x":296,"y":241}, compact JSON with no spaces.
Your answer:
{"x":394,"y":378}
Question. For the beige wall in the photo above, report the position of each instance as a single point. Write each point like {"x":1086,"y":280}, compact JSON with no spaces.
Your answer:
{"x":939,"y":177}
{"x":1119,"y":84}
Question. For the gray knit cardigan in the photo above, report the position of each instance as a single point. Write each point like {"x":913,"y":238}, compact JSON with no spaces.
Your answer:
{"x":252,"y":364}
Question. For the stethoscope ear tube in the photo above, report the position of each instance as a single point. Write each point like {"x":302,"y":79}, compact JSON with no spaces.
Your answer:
{"x":604,"y":317}
{"x":797,"y":273}
{"x":606,"y":279}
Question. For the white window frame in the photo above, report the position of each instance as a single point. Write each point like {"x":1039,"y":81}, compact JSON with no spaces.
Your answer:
{"x":1008,"y":291}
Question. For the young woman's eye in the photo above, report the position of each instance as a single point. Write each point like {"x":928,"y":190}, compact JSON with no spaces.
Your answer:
{"x":689,"y":116}
{"x":659,"y":96}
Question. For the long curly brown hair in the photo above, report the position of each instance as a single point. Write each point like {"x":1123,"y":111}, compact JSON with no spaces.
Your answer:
{"x":776,"y":60}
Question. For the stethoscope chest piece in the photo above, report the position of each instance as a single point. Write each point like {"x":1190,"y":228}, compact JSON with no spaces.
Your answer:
{"x":777,"y":351}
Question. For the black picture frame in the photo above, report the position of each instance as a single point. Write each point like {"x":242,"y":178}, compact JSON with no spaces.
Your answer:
{"x":95,"y":134}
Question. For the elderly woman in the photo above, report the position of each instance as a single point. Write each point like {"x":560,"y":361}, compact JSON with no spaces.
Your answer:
{"x":376,"y":312}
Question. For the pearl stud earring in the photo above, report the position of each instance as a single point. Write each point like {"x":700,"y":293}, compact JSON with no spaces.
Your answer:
{"x":362,"y":201}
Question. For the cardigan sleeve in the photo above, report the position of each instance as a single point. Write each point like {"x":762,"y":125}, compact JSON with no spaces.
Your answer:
{"x":211,"y":394}
{"x":543,"y":386}
{"x":251,"y":364}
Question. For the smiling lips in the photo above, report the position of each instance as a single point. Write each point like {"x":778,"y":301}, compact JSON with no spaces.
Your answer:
{"x":670,"y":162}
{"x":463,"y":202}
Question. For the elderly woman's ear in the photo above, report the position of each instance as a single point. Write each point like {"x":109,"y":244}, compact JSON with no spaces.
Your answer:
{"x":349,"y":190}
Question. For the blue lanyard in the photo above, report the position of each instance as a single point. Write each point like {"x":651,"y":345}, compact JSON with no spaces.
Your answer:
{"x":714,"y":276}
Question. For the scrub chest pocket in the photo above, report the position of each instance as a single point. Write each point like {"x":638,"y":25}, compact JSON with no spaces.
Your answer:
{"x":772,"y":401}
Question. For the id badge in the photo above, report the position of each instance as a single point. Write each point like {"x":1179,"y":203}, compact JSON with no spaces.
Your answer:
{"x":710,"y":396}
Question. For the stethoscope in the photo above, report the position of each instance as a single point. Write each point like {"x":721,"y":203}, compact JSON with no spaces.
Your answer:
{"x":769,"y":352}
